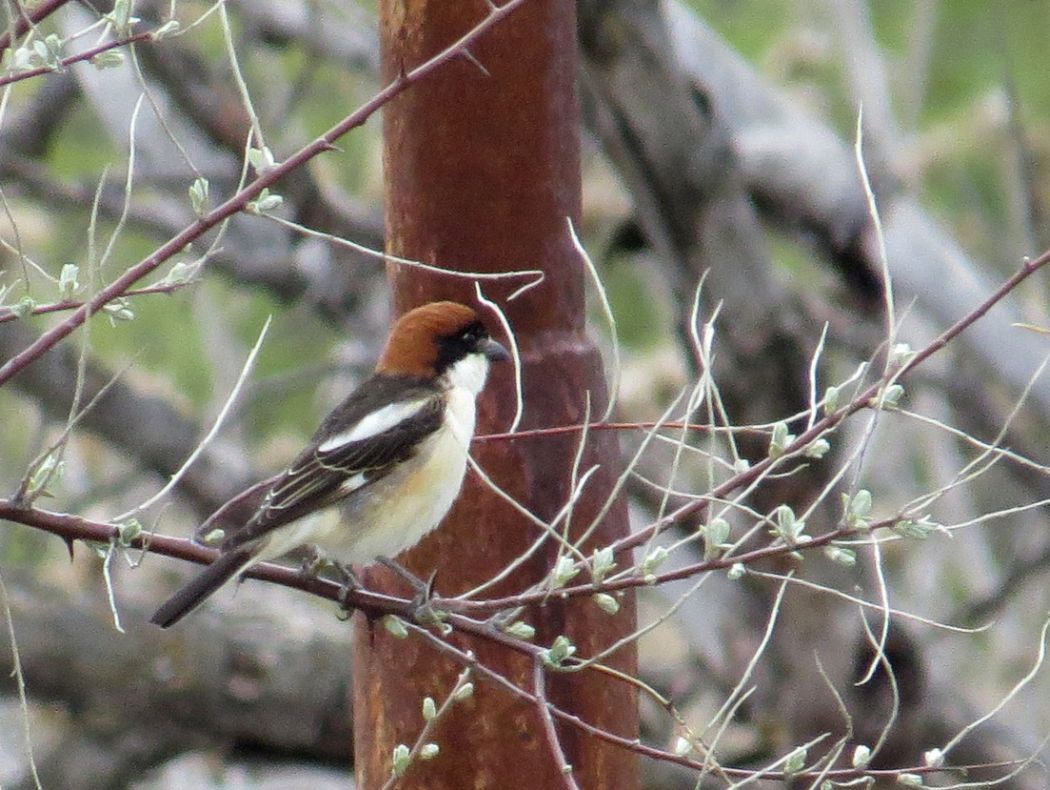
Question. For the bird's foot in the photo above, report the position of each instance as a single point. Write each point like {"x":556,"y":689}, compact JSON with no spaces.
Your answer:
{"x":349,"y":584}
{"x":313,"y":562}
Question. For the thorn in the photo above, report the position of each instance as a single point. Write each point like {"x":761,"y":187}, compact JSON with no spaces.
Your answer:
{"x":418,"y":585}
{"x":69,"y":547}
{"x":327,"y":146}
{"x":469,"y":56}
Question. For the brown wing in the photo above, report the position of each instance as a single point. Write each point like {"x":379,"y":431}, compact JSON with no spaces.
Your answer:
{"x":320,"y":478}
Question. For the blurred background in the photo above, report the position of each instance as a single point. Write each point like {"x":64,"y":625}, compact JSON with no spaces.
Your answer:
{"x":719,"y":145}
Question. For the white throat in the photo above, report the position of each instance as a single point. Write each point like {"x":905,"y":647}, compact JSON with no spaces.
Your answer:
{"x":469,"y":373}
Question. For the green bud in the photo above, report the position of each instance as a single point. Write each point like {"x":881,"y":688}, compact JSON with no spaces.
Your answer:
{"x":169,"y":28}
{"x":715,"y":536}
{"x":861,"y":756}
{"x":266,"y":201}
{"x":795,"y":761}
{"x":787,"y":525}
{"x":429,"y":708}
{"x":120,"y":17}
{"x":402,"y":758}
{"x":119,"y":310}
{"x":831,"y":399}
{"x":199,"y":195}
{"x":22,"y":59}
{"x":261,"y":159}
{"x":110,"y":59}
{"x":653,"y":560}
{"x":214,"y":537}
{"x":564,"y":570}
{"x":858,"y":511}
{"x":48,"y":473}
{"x":395,"y":626}
{"x":601,"y":563}
{"x":901,"y":354}
{"x":916,"y":530}
{"x":780,"y":440}
{"x":521,"y":630}
{"x":67,"y":280}
{"x":465,"y":691}
{"x":560,"y":650}
{"x":818,"y":448}
{"x":846,"y":557}
{"x":889,"y":397}
{"x":26,"y":305}
{"x":128,"y":531}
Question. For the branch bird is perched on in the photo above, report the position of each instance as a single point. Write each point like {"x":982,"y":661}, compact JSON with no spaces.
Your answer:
{"x":391,"y":457}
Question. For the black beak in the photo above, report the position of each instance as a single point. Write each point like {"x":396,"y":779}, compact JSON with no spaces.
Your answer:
{"x":493,"y":350}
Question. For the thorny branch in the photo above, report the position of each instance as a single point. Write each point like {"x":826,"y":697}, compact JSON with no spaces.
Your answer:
{"x":87,"y":54}
{"x":460,"y":614}
{"x":239,"y":202}
{"x":865,"y":399}
{"x":470,"y":660}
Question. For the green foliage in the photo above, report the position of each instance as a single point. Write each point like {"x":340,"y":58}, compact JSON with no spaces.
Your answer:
{"x":750,"y":26}
{"x":639,"y":319}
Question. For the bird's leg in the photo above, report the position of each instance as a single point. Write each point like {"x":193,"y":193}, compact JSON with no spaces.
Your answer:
{"x":349,"y":584}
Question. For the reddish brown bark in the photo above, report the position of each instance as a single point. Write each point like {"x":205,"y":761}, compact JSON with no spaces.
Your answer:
{"x":482,"y":172}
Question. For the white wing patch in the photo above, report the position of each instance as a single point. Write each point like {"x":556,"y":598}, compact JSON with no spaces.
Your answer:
{"x":374,"y":424}
{"x":351,"y":484}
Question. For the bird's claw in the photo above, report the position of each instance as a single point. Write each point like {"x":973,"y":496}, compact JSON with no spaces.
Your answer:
{"x":312,"y":563}
{"x":349,"y":584}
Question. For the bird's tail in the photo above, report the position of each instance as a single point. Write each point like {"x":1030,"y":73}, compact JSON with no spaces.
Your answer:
{"x":228,"y":565}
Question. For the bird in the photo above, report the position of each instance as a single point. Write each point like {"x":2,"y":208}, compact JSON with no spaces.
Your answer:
{"x":383,"y":468}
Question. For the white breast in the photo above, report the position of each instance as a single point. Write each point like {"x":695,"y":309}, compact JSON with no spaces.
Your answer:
{"x":469,"y":373}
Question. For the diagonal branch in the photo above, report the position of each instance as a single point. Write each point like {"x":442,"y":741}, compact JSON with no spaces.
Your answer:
{"x":240,"y":201}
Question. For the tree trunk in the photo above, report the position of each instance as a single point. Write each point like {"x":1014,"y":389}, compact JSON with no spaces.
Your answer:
{"x":482,"y":173}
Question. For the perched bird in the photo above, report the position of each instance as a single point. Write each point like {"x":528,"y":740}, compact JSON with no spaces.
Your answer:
{"x":391,"y":457}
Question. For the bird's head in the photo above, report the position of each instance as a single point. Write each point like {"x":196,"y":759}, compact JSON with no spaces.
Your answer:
{"x":441,"y":340}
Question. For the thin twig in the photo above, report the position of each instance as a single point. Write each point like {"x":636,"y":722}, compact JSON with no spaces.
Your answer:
{"x":539,"y":690}
{"x":87,"y":54}
{"x":11,"y":314}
